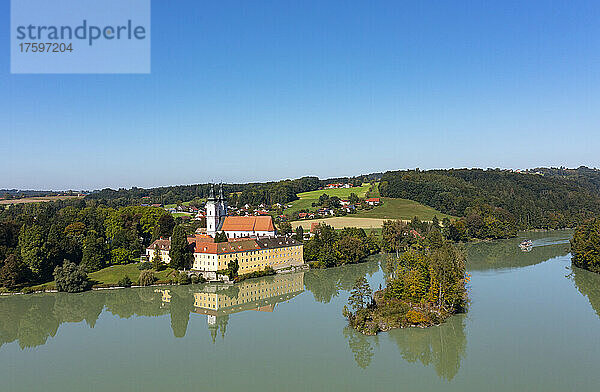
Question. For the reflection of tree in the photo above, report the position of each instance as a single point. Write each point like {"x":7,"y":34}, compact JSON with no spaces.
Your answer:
{"x":182,"y":303}
{"x":360,"y":345}
{"x":325,"y":284}
{"x":506,"y":253}
{"x":443,"y":346}
{"x":588,"y":284}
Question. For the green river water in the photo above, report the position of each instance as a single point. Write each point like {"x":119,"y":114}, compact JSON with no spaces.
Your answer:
{"x":533,"y":325}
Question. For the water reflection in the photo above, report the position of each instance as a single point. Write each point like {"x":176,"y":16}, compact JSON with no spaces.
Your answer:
{"x":588,"y":284}
{"x":325,"y":284}
{"x":443,"y":346}
{"x":32,"y":319}
{"x":493,"y":255}
{"x":361,"y":346}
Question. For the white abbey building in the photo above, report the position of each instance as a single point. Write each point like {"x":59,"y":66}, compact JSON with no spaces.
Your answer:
{"x":234,"y":226}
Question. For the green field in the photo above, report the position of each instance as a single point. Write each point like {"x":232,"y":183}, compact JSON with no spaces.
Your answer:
{"x":112,"y":275}
{"x":307,"y":198}
{"x":401,"y":209}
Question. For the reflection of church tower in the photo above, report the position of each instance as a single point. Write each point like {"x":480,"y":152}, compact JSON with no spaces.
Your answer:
{"x":216,"y":211}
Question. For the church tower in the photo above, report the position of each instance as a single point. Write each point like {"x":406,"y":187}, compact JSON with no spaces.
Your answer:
{"x":212,"y":210}
{"x":222,"y":204}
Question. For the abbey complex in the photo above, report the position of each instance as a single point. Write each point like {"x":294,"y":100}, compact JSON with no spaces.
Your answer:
{"x":252,"y":242}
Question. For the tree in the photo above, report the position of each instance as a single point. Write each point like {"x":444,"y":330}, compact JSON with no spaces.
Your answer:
{"x":95,"y":252}
{"x":71,"y":278}
{"x":585,"y":246}
{"x":147,"y":278}
{"x":165,"y":225}
{"x":299,"y":236}
{"x":157,"y":262}
{"x":232,"y":269}
{"x":181,"y":253}
{"x":125,"y":281}
{"x":353,"y":199}
{"x":361,"y":294}
{"x":13,"y":272}
{"x":220,"y":236}
{"x":31,"y":240}
{"x":285,"y":228}
{"x":120,"y":256}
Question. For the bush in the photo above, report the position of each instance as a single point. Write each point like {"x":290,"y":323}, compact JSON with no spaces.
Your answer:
{"x":71,"y":278}
{"x":183,"y":278}
{"x":415,"y":317}
{"x":195,"y":279}
{"x":125,"y":281}
{"x":120,"y":256}
{"x":147,"y":278}
{"x":145,"y":265}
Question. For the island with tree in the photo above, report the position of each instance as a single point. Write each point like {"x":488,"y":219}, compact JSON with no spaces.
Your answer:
{"x":426,"y":283}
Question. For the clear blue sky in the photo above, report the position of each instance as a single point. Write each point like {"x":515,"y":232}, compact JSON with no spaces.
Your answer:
{"x":260,"y":90}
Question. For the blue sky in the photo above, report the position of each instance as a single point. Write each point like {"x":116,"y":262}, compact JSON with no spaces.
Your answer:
{"x":243,"y":91}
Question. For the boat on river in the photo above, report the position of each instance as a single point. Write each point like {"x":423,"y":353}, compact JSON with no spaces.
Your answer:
{"x":526,"y":245}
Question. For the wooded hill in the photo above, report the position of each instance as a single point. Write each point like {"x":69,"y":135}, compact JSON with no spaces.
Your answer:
{"x":534,"y":200}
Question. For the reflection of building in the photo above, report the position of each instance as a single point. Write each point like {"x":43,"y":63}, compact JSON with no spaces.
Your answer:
{"x":217,"y":302}
{"x":254,"y":294}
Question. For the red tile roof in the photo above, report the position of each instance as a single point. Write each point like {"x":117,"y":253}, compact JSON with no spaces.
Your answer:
{"x":248,"y":223}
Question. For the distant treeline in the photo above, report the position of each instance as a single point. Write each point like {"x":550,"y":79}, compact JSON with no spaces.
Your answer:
{"x":515,"y":200}
{"x":237,"y":194}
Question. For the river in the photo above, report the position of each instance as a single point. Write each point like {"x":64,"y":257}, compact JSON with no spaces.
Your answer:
{"x":533,"y":325}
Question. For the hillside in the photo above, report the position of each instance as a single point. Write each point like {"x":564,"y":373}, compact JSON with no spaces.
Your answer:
{"x":305,"y":199}
{"x":402,"y":209}
{"x":534,"y":200}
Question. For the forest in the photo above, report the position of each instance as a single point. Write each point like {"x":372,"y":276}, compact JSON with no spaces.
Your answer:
{"x":36,"y":238}
{"x":238,"y":195}
{"x":517,"y":200}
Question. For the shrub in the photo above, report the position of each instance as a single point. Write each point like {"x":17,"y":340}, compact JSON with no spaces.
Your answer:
{"x":147,"y":278}
{"x":120,"y":256}
{"x":71,"y":278}
{"x":145,"y":265}
{"x":415,"y":317}
{"x":195,"y":279}
{"x":125,"y":281}
{"x":183,"y":278}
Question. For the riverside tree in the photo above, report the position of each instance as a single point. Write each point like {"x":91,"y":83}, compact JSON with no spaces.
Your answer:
{"x":71,"y":278}
{"x":585,"y":246}
{"x":181,"y":253}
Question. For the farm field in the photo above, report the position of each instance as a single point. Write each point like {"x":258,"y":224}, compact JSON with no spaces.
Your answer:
{"x":40,"y":199}
{"x":307,"y":198}
{"x":339,"y":222}
{"x":401,"y":209}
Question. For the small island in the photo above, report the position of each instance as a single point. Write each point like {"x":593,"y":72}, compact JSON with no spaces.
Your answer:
{"x":426,"y":284}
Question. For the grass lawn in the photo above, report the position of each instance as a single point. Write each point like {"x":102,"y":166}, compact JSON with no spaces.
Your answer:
{"x":112,"y":275}
{"x":307,"y":198}
{"x":401,"y":209}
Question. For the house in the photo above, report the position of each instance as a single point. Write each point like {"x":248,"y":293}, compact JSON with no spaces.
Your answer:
{"x":160,"y":246}
{"x":373,"y":201}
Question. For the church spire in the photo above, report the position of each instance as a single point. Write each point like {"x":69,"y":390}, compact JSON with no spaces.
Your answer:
{"x":211,"y":193}
{"x":221,"y":192}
